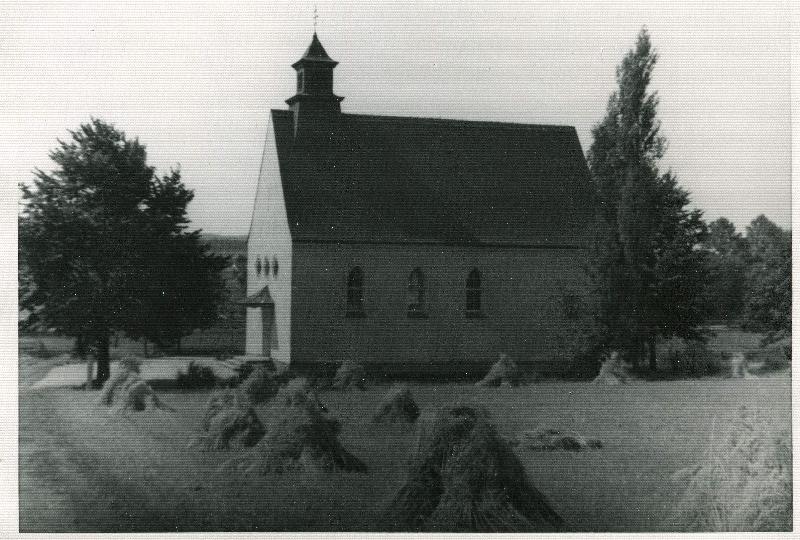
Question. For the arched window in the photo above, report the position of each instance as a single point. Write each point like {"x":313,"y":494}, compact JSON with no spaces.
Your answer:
{"x":355,"y":293}
{"x":474,"y":293}
{"x":274,"y":267}
{"x":258,"y":266}
{"x":572,"y":306}
{"x":416,"y":294}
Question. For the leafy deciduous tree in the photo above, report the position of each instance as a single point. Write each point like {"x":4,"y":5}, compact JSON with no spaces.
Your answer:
{"x":768,"y":305}
{"x":727,"y":258}
{"x":103,"y":238}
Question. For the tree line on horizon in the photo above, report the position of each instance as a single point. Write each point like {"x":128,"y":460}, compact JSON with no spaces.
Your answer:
{"x":104,"y":246}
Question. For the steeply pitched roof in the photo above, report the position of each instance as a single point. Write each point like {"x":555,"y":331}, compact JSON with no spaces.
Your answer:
{"x":260,"y":298}
{"x":316,"y":52}
{"x":393,"y":179}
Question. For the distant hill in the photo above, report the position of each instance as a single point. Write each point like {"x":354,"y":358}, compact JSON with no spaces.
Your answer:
{"x":229,"y":246}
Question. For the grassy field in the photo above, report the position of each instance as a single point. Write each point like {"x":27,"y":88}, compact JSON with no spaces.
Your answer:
{"x":227,"y":338}
{"x":83,"y":470}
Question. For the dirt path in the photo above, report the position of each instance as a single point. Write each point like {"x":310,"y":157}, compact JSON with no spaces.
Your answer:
{"x":65,"y":486}
{"x":48,"y":478}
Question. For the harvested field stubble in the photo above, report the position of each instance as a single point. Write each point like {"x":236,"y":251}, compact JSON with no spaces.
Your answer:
{"x":613,"y":371}
{"x":301,"y":437}
{"x":504,"y":371}
{"x":553,"y":439}
{"x":229,"y":423}
{"x":298,"y":392}
{"x":350,"y":375}
{"x":739,"y":366}
{"x":464,"y":477}
{"x":260,"y":386}
{"x":744,"y":483}
{"x":135,"y":473}
{"x":397,"y":406}
{"x":127,"y":392}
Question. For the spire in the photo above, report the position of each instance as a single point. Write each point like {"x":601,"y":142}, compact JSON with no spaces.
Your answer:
{"x":315,"y":53}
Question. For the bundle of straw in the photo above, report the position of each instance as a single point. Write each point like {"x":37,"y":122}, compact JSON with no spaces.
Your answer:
{"x":464,"y":477}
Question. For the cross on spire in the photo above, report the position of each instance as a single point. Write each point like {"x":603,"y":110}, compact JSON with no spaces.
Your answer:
{"x":315,"y":18}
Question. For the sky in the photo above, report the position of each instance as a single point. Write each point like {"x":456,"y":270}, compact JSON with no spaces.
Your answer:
{"x":195,"y":82}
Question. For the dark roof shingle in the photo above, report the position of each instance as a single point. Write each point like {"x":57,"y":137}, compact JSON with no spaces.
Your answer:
{"x":316,"y":52}
{"x":395,"y":179}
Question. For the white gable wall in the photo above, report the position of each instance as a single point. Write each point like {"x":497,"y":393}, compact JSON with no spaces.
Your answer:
{"x":270,"y":240}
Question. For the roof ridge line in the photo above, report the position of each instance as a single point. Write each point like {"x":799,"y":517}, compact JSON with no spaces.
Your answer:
{"x":438,"y":120}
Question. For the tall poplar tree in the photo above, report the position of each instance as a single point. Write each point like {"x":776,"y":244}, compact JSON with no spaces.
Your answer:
{"x":647,"y":274}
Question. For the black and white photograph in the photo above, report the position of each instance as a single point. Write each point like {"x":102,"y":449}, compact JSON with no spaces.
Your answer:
{"x":397,"y":267}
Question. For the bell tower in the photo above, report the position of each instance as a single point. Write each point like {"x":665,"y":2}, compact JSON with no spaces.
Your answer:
{"x":314,"y":103}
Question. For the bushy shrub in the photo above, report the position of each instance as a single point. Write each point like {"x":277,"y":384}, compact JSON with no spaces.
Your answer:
{"x":781,"y":359}
{"x":583,"y":365}
{"x":196,"y":376}
{"x":692,"y":359}
{"x":776,"y":357}
{"x":575,"y":340}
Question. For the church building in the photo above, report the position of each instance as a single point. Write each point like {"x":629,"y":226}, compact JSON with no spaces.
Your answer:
{"x":412,"y":245}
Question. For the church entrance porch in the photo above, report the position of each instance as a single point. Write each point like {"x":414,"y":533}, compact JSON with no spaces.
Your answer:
{"x":262,"y":335}
{"x":268,"y":333}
